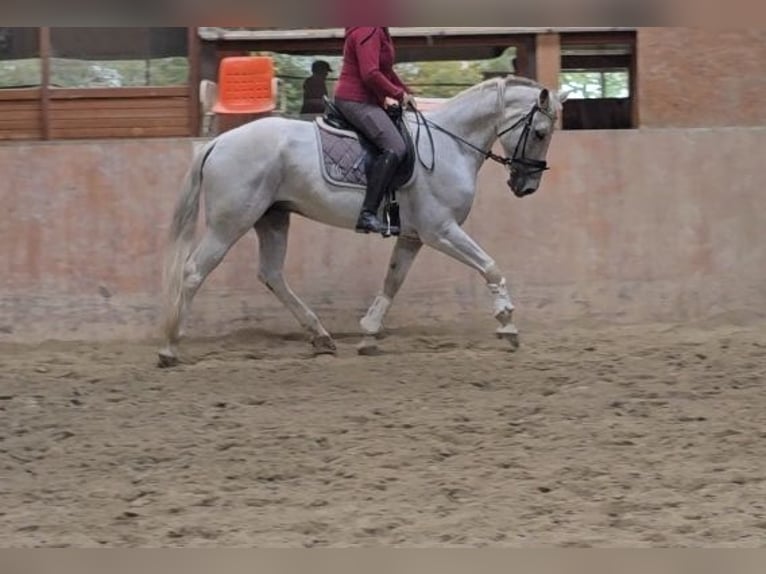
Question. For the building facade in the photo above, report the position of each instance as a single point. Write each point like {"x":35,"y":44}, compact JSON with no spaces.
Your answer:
{"x":678,"y":77}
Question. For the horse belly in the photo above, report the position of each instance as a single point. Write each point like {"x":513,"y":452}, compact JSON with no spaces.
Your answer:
{"x":310,"y":196}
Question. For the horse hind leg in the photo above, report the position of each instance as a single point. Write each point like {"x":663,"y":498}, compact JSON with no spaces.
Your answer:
{"x":272,"y":230}
{"x":207,"y":256}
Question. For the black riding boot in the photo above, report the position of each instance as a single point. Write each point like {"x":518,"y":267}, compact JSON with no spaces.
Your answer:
{"x":381,"y":174}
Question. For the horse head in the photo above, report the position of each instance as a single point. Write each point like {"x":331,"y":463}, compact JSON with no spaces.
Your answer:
{"x":531,"y":121}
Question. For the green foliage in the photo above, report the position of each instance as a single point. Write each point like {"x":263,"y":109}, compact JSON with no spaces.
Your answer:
{"x":437,"y":79}
{"x":440,"y":79}
{"x":596,"y":84}
{"x":69,"y":73}
{"x":15,"y":73}
{"x":445,"y":79}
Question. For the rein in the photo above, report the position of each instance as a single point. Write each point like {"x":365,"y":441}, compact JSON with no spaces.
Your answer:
{"x":518,"y":160}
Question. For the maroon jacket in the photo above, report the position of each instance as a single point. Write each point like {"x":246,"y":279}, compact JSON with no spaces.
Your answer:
{"x":367,"y":74}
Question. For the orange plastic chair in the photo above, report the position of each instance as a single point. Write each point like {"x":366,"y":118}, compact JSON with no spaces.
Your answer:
{"x":246,"y":85}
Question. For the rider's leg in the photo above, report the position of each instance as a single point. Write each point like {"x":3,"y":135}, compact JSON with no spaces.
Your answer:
{"x":374,"y":123}
{"x":378,"y":181}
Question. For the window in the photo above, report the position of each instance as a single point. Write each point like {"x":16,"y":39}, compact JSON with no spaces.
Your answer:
{"x":448,"y":77}
{"x":118,"y":57}
{"x":76,"y":83}
{"x":596,"y":84}
{"x":599,"y":72}
{"x":436,"y":73}
{"x":19,"y":58}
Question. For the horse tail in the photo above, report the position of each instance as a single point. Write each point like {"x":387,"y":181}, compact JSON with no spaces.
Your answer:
{"x":180,"y":241}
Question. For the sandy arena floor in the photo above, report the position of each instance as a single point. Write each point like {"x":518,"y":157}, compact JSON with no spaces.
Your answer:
{"x":651,"y":435}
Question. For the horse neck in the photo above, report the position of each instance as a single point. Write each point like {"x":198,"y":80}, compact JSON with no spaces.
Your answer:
{"x":472,"y":116}
{"x":477,"y":115}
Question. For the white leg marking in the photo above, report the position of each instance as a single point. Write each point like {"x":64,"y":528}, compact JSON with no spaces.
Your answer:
{"x":372,"y":323}
{"x":503,"y":304}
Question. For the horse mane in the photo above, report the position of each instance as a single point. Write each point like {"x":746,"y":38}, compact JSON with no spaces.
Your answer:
{"x":510,"y":81}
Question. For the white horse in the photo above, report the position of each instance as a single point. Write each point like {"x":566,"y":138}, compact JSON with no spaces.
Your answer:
{"x":256,"y":175}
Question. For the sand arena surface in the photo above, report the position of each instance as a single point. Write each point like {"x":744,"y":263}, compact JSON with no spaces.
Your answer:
{"x":643,"y":435}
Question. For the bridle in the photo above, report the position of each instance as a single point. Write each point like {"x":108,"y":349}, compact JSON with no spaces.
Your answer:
{"x":518,"y":163}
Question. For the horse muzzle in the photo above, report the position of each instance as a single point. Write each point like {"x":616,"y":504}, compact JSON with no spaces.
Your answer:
{"x":521,"y":193}
{"x":525,"y":176}
{"x":522,"y":185}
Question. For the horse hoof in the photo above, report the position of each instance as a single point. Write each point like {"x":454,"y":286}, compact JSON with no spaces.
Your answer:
{"x":511,"y":334}
{"x":368,"y":347}
{"x":167,"y":360}
{"x":514,"y":341}
{"x":324,"y":345}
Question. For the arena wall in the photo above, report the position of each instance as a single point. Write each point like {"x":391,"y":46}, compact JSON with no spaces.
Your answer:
{"x":629,"y":226}
{"x":690,"y":77}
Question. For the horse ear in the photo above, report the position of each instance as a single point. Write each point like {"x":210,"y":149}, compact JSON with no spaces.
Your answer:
{"x":544,"y":99}
{"x":564,"y":95}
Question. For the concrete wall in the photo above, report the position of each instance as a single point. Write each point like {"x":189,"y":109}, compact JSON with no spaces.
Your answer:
{"x":646,"y":225}
{"x":701,"y":77}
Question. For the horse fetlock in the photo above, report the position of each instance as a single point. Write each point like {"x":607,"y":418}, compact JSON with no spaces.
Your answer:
{"x":371,"y":325}
{"x":494,"y":277}
{"x":503,"y":307}
{"x":503,"y":312}
{"x":372,"y":322}
{"x":504,"y":316}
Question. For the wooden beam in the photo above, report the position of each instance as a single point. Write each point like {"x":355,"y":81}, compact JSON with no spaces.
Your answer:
{"x":635,"y":109}
{"x":334,"y":46}
{"x":45,"y":81}
{"x":597,"y":38}
{"x":119,"y":93}
{"x":548,"y":62}
{"x":525,"y":61}
{"x":20,"y":94}
{"x":596,"y":62}
{"x":548,"y":56}
{"x":195,"y":77}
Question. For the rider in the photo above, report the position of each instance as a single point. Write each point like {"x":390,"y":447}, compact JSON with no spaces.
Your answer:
{"x":367,"y":87}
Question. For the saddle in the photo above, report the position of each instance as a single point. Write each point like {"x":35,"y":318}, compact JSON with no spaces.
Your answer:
{"x":347,"y":155}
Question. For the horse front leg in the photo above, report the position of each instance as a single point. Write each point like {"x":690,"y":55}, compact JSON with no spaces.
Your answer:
{"x":503,"y":307}
{"x":402,"y":257}
{"x":453,"y":241}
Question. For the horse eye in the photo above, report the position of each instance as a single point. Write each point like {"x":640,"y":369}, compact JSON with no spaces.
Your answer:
{"x":540,"y":134}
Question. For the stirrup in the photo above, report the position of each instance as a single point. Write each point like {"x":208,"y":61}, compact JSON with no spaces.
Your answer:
{"x":392,"y":227}
{"x":389,"y":230}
